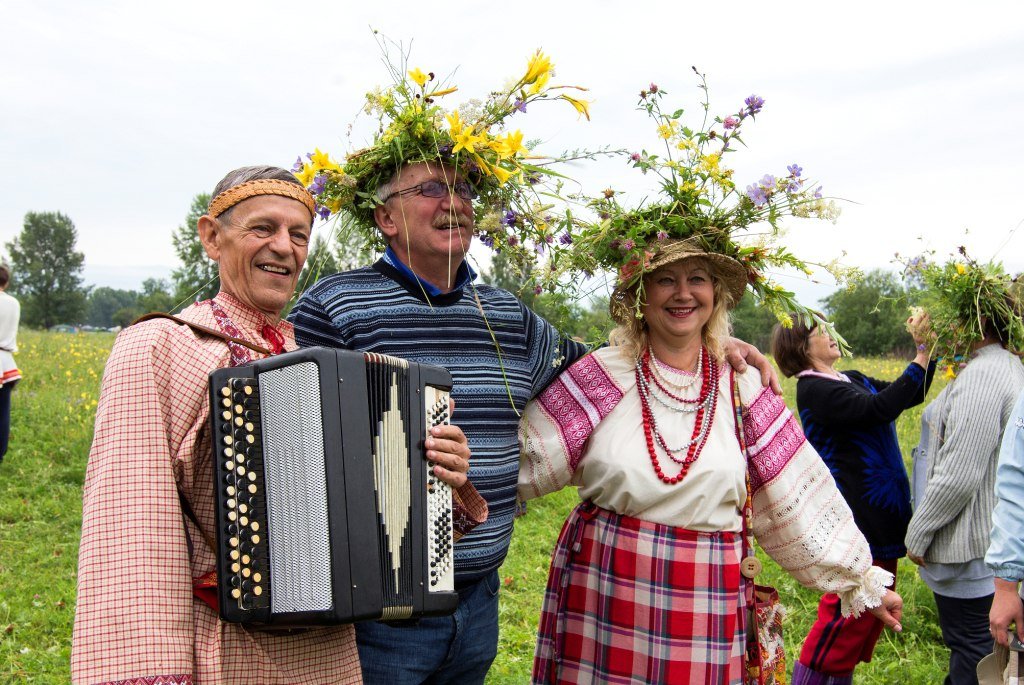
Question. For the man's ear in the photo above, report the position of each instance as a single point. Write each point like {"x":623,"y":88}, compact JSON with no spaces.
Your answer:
{"x":385,"y":222}
{"x":210,"y":236}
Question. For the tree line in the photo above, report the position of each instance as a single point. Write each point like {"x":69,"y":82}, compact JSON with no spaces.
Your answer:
{"x":46,"y":277}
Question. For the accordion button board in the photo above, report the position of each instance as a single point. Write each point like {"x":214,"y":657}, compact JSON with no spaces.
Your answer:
{"x":327,"y":510}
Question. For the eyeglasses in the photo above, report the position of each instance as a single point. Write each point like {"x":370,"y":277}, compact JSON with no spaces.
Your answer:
{"x":438,"y":189}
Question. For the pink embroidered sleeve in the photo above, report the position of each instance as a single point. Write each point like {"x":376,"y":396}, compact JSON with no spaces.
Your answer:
{"x":557,"y":424}
{"x":800,"y":518}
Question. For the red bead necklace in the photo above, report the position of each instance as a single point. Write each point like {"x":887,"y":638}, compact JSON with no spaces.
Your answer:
{"x":702,"y":421}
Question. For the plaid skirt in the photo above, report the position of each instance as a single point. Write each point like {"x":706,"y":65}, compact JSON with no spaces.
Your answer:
{"x":629,"y":601}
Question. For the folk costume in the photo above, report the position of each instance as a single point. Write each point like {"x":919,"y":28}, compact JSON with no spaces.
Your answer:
{"x":849,"y":420}
{"x":645,"y":581}
{"x":138,"y":620}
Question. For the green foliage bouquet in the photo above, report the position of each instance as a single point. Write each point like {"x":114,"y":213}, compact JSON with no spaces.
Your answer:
{"x":961,"y":297}
{"x":700,"y":201}
{"x":506,"y":172}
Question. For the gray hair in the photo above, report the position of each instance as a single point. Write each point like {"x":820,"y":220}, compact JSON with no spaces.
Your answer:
{"x":251,"y":173}
{"x":388,"y":187}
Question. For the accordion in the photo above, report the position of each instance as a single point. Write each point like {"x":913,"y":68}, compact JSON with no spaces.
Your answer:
{"x":327,"y":511}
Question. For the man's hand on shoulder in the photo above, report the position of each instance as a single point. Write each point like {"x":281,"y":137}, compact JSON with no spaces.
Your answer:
{"x":739,"y":354}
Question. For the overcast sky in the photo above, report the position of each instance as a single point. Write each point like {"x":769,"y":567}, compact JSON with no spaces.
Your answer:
{"x":118,"y":113}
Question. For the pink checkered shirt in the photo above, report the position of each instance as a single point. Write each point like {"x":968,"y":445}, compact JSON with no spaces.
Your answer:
{"x":137,"y":621}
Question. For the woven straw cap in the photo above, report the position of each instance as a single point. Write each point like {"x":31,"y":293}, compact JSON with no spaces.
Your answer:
{"x":726,"y":269}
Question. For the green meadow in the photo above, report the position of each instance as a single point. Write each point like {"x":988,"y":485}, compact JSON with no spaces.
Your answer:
{"x":40,"y":521}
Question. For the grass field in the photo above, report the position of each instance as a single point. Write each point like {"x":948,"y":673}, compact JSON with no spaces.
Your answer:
{"x":40,"y":519}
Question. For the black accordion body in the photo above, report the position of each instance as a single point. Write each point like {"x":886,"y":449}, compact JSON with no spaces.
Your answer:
{"x":327,"y":511}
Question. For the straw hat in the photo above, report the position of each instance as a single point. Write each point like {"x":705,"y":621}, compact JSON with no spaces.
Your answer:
{"x":726,"y":269}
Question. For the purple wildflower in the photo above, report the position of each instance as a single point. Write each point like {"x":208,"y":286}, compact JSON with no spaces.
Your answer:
{"x":539,"y":247}
{"x":487,"y":240}
{"x":509,"y":220}
{"x":628,"y":244}
{"x":756,"y":195}
{"x":793,"y":186}
{"x":635,"y":157}
{"x":653,"y":88}
{"x":537,"y":290}
{"x":754,"y":104}
{"x":565,"y":238}
{"x":445,"y":150}
{"x":317,"y":186}
{"x":472,"y":168}
{"x":795,"y":170}
{"x":730,"y":123}
{"x":512,"y":241}
{"x":297,"y":167}
{"x":662,"y":235}
{"x":817,"y":193}
{"x":615,"y":243}
{"x":767,"y":182}
{"x":533,"y":179}
{"x":520,"y":105}
{"x":323,"y":212}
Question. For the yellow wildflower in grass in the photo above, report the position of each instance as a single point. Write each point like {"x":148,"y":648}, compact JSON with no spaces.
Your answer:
{"x":960,"y":269}
{"x":419,"y":77}
{"x":950,"y":373}
{"x":503,"y":175}
{"x":686,"y":144}
{"x":454,"y":122}
{"x":688,"y":187}
{"x":538,"y":66}
{"x":514,"y":142}
{"x":580,"y":105}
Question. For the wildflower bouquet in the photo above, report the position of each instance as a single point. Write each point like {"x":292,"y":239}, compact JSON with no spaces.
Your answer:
{"x":961,"y":297}
{"x":699,"y":201}
{"x":413,"y":127}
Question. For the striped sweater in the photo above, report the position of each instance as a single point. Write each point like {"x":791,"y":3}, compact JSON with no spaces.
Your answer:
{"x":965,"y":424}
{"x":380,"y":309}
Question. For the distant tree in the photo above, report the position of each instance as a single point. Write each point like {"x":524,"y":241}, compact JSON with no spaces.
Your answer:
{"x":320,"y":262}
{"x":47,"y":270}
{"x":753,"y":324}
{"x":595,"y":322}
{"x":556,"y":308}
{"x":103,"y":302}
{"x":197,"y":278}
{"x":872,"y":315}
{"x":155,"y":296}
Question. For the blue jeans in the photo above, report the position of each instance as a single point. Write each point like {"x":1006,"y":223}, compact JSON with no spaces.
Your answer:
{"x":450,"y":649}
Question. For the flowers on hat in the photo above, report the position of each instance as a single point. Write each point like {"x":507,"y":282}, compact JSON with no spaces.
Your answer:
{"x":700,"y":199}
{"x":476,"y":137}
{"x":960,"y":296}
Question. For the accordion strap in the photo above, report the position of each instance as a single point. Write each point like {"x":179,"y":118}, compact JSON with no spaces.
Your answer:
{"x":204,"y":330}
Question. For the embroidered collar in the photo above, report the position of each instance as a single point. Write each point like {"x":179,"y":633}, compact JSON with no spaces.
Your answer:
{"x":463,"y":276}
{"x":818,"y":374}
{"x":250,"y":322}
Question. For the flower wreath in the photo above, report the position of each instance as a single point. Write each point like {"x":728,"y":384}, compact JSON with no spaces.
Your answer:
{"x":701,"y":203}
{"x":506,"y":172}
{"x":960,"y":296}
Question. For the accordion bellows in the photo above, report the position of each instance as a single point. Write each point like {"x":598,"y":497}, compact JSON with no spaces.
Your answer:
{"x":327,"y":509}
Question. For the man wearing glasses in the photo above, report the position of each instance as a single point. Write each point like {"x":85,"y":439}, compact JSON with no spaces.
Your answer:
{"x":419,"y":302}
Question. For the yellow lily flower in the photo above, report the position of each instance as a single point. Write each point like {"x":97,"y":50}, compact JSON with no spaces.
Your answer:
{"x":503,"y":175}
{"x":307,"y":174}
{"x":419,"y":77}
{"x":439,"y":93}
{"x":321,"y":160}
{"x":466,"y":140}
{"x":540,"y":82}
{"x":580,"y":105}
{"x":514,"y":142}
{"x":538,"y":66}
{"x":961,"y":269}
{"x":454,"y":123}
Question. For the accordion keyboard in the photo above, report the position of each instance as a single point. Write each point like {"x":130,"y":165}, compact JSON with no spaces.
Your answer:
{"x":440,"y":555}
{"x":240,"y":460}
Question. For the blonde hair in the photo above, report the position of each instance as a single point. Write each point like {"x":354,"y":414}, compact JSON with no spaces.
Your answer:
{"x":631,"y":336}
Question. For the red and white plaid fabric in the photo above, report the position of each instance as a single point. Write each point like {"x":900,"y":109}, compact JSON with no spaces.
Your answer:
{"x":629,"y":601}
{"x":136,"y":620}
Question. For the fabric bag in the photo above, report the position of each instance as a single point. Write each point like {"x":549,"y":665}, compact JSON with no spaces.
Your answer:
{"x":1002,"y":667}
{"x":765,"y":662}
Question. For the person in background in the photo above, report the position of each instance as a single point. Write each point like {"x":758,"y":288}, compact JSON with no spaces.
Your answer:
{"x":849,"y":419}
{"x":954,"y":482}
{"x":10,"y":313}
